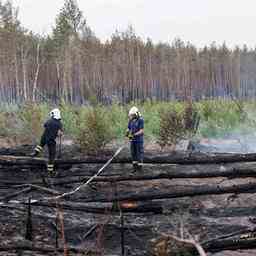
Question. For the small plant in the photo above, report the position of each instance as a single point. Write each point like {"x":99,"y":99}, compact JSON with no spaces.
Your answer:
{"x":11,"y":127}
{"x":3,"y":125}
{"x":117,"y":118}
{"x":176,"y":125}
{"x":172,"y":128}
{"x":69,"y":116}
{"x":167,"y":246}
{"x":33,"y":117}
{"x":94,"y":130}
{"x":191,"y":119}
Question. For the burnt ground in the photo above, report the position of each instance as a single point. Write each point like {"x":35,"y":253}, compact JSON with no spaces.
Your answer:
{"x":95,"y":228}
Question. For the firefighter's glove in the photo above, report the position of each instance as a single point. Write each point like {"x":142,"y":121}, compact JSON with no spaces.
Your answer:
{"x":129,"y":135}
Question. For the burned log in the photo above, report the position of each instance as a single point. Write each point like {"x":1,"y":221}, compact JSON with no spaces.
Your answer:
{"x":82,"y":220}
{"x":231,"y":245}
{"x":150,"y":157}
{"x":22,"y":161}
{"x":22,"y":150}
{"x":148,"y":174}
{"x":38,"y":248}
{"x":171,"y":158}
{"x":116,"y":173}
{"x":151,"y":172}
{"x":15,"y":194}
{"x":191,"y":191}
{"x":126,"y":207}
{"x":28,"y":188}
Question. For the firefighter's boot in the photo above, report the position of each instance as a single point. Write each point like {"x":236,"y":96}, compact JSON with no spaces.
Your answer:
{"x":37,"y":151}
{"x":140,"y":165}
{"x":50,"y":169}
{"x":135,"y":166}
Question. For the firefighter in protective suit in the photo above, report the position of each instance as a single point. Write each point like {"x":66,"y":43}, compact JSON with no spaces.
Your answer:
{"x":52,"y":129}
{"x":135,"y":133}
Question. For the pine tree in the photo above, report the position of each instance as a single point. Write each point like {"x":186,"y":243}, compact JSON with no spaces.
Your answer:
{"x":69,"y":22}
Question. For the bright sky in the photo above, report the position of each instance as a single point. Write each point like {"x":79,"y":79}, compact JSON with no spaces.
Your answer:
{"x":198,"y":21}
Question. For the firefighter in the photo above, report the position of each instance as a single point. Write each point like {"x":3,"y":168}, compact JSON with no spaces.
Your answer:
{"x":52,"y":129}
{"x":135,"y":133}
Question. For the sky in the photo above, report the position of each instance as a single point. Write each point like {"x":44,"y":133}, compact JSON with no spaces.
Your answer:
{"x":199,"y":21}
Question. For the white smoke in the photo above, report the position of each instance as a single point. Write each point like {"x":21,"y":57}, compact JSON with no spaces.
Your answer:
{"x":241,"y":139}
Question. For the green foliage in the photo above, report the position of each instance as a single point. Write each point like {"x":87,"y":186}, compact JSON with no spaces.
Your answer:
{"x":72,"y":14}
{"x":220,"y":118}
{"x":94,"y":130}
{"x":69,"y":21}
{"x":171,"y":127}
{"x":33,"y":117}
{"x":69,"y":116}
{"x":3,"y":124}
{"x":10,"y":123}
{"x":191,"y":118}
{"x":165,"y":122}
{"x":9,"y":16}
{"x":117,"y":117}
{"x":93,"y":100}
{"x":177,"y":123}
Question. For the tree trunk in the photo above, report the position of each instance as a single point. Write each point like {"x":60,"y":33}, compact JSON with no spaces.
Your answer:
{"x":191,"y":191}
{"x":36,"y":74}
{"x":24,"y":71}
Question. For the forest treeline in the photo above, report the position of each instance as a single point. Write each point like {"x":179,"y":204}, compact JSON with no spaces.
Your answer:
{"x":72,"y":64}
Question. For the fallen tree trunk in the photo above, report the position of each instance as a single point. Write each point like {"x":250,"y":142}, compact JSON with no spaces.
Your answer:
{"x":22,"y":150}
{"x":192,"y":191}
{"x":43,"y":249}
{"x":226,"y":212}
{"x":116,"y":173}
{"x":230,"y":244}
{"x":172,"y":158}
{"x":174,"y":172}
{"x":127,"y":207}
{"x":154,"y":158}
{"x":230,"y":174}
{"x":22,"y":161}
{"x":15,"y":194}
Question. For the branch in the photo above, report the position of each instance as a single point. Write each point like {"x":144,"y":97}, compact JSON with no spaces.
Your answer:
{"x":190,"y":241}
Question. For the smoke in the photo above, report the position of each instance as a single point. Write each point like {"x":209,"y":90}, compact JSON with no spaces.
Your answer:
{"x":238,"y":139}
{"x":237,"y":144}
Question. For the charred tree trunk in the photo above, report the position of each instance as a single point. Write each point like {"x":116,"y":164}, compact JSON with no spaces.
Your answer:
{"x":152,"y":158}
{"x":192,"y":191}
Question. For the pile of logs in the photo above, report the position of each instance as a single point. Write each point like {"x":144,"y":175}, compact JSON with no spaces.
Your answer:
{"x":209,"y":195}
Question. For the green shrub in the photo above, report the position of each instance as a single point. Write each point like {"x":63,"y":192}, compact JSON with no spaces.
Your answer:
{"x":117,"y":118}
{"x":191,"y":119}
{"x":164,"y":121}
{"x":221,"y":118}
{"x":177,"y":123}
{"x":3,"y":125}
{"x":33,"y":117}
{"x":94,"y":130}
{"x":69,"y":117}
{"x":171,"y":127}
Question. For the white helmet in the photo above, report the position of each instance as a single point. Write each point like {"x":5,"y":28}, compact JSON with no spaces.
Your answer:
{"x":134,"y":111}
{"x":55,"y":113}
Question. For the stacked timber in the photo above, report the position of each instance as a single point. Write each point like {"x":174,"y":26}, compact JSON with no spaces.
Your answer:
{"x":211,"y":196}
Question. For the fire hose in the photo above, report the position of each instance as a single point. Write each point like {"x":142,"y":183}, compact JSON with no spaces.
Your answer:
{"x":89,"y":180}
{"x":84,"y":184}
